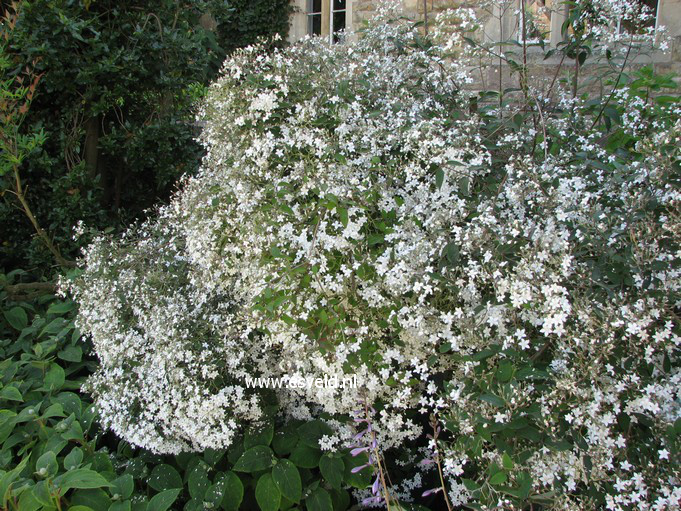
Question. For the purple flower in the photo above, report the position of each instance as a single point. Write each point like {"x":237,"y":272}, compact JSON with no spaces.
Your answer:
{"x":431,"y":491}
{"x":358,"y":469}
{"x":358,"y":450}
{"x":376,"y":486}
{"x":371,"y":500}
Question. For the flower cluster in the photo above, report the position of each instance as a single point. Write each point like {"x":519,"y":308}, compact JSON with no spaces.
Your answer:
{"x":516,"y":275}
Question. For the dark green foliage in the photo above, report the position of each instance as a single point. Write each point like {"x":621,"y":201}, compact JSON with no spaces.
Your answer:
{"x":116,"y":102}
{"x":51,"y":448}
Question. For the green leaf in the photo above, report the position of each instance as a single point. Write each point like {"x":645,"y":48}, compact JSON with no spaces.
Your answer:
{"x":29,"y":502}
{"x":287,"y":479}
{"x":319,"y":500}
{"x":61,"y":308}
{"x":47,"y":466}
{"x":332,"y":470}
{"x":93,"y":498}
{"x":73,"y":459}
{"x":305,"y":457}
{"x":492,"y":399}
{"x":439,"y":178}
{"x":54,"y":379}
{"x":360,"y":479}
{"x":121,"y":505}
{"x":285,"y":441}
{"x":255,"y":459}
{"x":71,"y":354}
{"x":164,"y":477}
{"x":505,"y":372}
{"x":267,"y":493}
{"x":234,"y":492}
{"x":41,"y":493}
{"x":123,"y":486}
{"x":16,"y":317}
{"x":343,"y":215}
{"x":498,"y":478}
{"x":11,"y":393}
{"x":162,"y":501}
{"x":81,"y":478}
{"x":258,"y":436}
{"x":198,"y":482}
{"x":312,"y":431}
{"x":8,"y":478}
{"x":506,"y":461}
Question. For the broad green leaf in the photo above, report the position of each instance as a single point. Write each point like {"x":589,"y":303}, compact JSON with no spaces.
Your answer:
{"x":41,"y":492}
{"x":121,"y":505}
{"x":312,"y":431}
{"x":47,"y":466}
{"x":61,"y":307}
{"x":11,"y":393}
{"x":255,"y":459}
{"x":198,"y":482}
{"x":8,"y":478}
{"x":492,"y":399}
{"x":267,"y":493}
{"x":234,"y":492}
{"x":319,"y":500}
{"x":360,"y":479}
{"x":287,"y":479}
{"x":93,"y":498}
{"x":54,"y":379}
{"x":332,"y":470}
{"x":285,"y":441}
{"x":162,"y":501}
{"x":73,"y":459}
{"x":81,"y":478}
{"x":258,"y":436}
{"x":123,"y":486}
{"x":498,"y":478}
{"x":164,"y":477}
{"x":16,"y":317}
{"x":305,"y":457}
{"x":71,"y":354}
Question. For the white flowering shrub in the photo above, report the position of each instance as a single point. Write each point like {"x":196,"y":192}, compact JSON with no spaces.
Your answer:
{"x":506,"y":278}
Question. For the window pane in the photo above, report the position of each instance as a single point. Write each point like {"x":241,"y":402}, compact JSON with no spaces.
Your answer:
{"x":338,"y":21}
{"x":338,"y":5}
{"x":314,"y":24}
{"x":314,"y":5}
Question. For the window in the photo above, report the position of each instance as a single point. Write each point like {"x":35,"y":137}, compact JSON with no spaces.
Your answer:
{"x":327,"y":18}
{"x":314,"y":17}
{"x":338,"y":20}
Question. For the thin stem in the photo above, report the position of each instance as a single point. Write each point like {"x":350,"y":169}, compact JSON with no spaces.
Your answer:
{"x":617,"y":82}
{"x":439,"y":465}
{"x":20,"y":193}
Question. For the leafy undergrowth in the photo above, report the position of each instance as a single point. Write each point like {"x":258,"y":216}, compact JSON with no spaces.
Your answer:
{"x":54,"y":455}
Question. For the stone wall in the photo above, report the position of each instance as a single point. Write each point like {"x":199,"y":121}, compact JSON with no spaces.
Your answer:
{"x":669,"y":17}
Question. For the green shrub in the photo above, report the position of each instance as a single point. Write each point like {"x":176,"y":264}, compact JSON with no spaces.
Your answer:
{"x":499,"y":270}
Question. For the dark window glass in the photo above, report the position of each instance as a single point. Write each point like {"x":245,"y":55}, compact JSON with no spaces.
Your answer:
{"x":338,"y":21}
{"x":314,"y":5}
{"x":314,"y":24}
{"x":338,"y":5}
{"x":338,"y":25}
